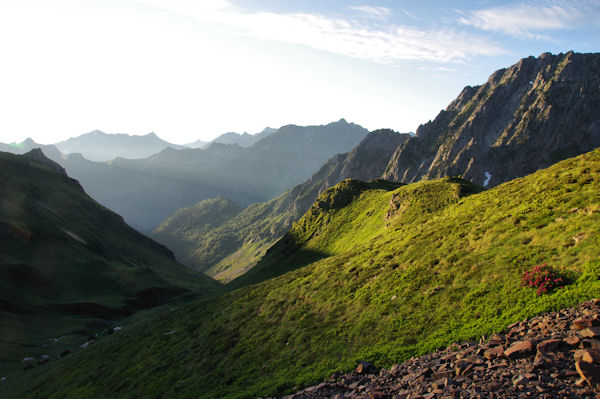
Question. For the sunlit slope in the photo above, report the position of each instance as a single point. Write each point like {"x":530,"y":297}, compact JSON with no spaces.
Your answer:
{"x":68,"y":264}
{"x":351,"y":214}
{"x":427,"y":264}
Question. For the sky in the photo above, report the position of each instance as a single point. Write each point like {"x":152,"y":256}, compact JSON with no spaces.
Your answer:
{"x":193,"y":69}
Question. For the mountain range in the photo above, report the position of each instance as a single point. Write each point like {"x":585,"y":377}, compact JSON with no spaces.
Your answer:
{"x":244,"y":139}
{"x":526,"y":117}
{"x":146,"y":191}
{"x":100,"y":147}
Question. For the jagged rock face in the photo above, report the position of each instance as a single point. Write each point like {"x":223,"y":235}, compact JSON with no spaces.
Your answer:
{"x":524,"y":118}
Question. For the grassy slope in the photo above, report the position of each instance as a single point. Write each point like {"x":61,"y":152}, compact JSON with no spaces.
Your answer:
{"x":439,"y":267}
{"x":232,"y":248}
{"x":68,"y":264}
{"x":188,"y":227}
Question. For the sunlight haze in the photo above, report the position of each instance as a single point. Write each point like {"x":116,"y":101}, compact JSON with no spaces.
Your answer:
{"x":191,"y":70}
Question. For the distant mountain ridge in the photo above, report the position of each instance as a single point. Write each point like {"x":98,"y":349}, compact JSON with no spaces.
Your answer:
{"x":147,"y":191}
{"x":244,"y":139}
{"x":100,"y":147}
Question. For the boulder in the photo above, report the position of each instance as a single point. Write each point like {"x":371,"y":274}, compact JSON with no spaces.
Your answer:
{"x":548,"y":345}
{"x":494,"y":352}
{"x":590,"y":373}
{"x":365,"y":368}
{"x":519,"y":349}
{"x":591,"y":355}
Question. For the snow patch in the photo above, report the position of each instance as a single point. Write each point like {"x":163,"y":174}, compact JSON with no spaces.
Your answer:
{"x":487,"y":179}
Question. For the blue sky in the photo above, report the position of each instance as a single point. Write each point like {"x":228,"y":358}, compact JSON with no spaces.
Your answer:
{"x":189,"y":69}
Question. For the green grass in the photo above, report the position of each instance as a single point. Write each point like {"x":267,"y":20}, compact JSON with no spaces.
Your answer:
{"x":399,"y":272}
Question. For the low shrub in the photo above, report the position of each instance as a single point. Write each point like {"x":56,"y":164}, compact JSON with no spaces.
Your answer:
{"x":543,"y":277}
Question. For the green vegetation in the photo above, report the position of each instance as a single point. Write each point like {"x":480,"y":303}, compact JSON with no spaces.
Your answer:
{"x":192,"y":225}
{"x":400,"y":271}
{"x":228,"y":250}
{"x":70,"y":267}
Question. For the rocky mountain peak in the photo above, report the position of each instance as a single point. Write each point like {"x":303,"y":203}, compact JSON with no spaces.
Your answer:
{"x":524,"y":118}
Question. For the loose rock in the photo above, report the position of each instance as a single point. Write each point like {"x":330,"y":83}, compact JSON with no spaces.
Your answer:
{"x":552,"y":368}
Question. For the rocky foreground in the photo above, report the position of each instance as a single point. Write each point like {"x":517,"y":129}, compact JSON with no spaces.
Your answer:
{"x":553,"y":355}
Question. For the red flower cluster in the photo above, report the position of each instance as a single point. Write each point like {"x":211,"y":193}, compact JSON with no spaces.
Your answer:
{"x":542,"y":277}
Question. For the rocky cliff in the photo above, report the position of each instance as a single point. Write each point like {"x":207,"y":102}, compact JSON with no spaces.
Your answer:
{"x":524,"y":118}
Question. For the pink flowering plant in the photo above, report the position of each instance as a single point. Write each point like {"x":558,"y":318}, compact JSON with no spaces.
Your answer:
{"x":542,"y":277}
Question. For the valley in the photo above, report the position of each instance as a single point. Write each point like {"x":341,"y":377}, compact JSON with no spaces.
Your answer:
{"x":276,"y":260}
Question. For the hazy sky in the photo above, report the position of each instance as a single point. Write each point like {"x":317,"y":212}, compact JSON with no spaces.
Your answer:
{"x":192,"y":69}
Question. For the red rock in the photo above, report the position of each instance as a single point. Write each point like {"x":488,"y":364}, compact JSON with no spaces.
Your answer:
{"x":513,"y":325}
{"x":462,"y":368}
{"x":365,"y":368}
{"x":581,"y":323}
{"x":589,"y":372}
{"x":580,"y":382}
{"x":571,"y":373}
{"x":519,"y":380}
{"x":549,"y":345}
{"x":494,"y":352}
{"x":378,"y":395}
{"x":519,"y":349}
{"x":591,"y":355}
{"x":572,"y":340}
{"x":591,"y":332}
{"x":496,"y":339}
{"x":590,"y":343}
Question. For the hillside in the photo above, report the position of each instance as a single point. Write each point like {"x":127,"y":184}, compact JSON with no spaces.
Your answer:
{"x":147,"y":191}
{"x":524,"y":118}
{"x":182,"y":231}
{"x":100,"y":147}
{"x":68,"y":266}
{"x":232,"y":247}
{"x":402,"y":271}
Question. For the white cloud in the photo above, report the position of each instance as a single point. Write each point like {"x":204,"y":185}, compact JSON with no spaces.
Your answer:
{"x":384,"y":44}
{"x":378,"y":13}
{"x":527,"y":19}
